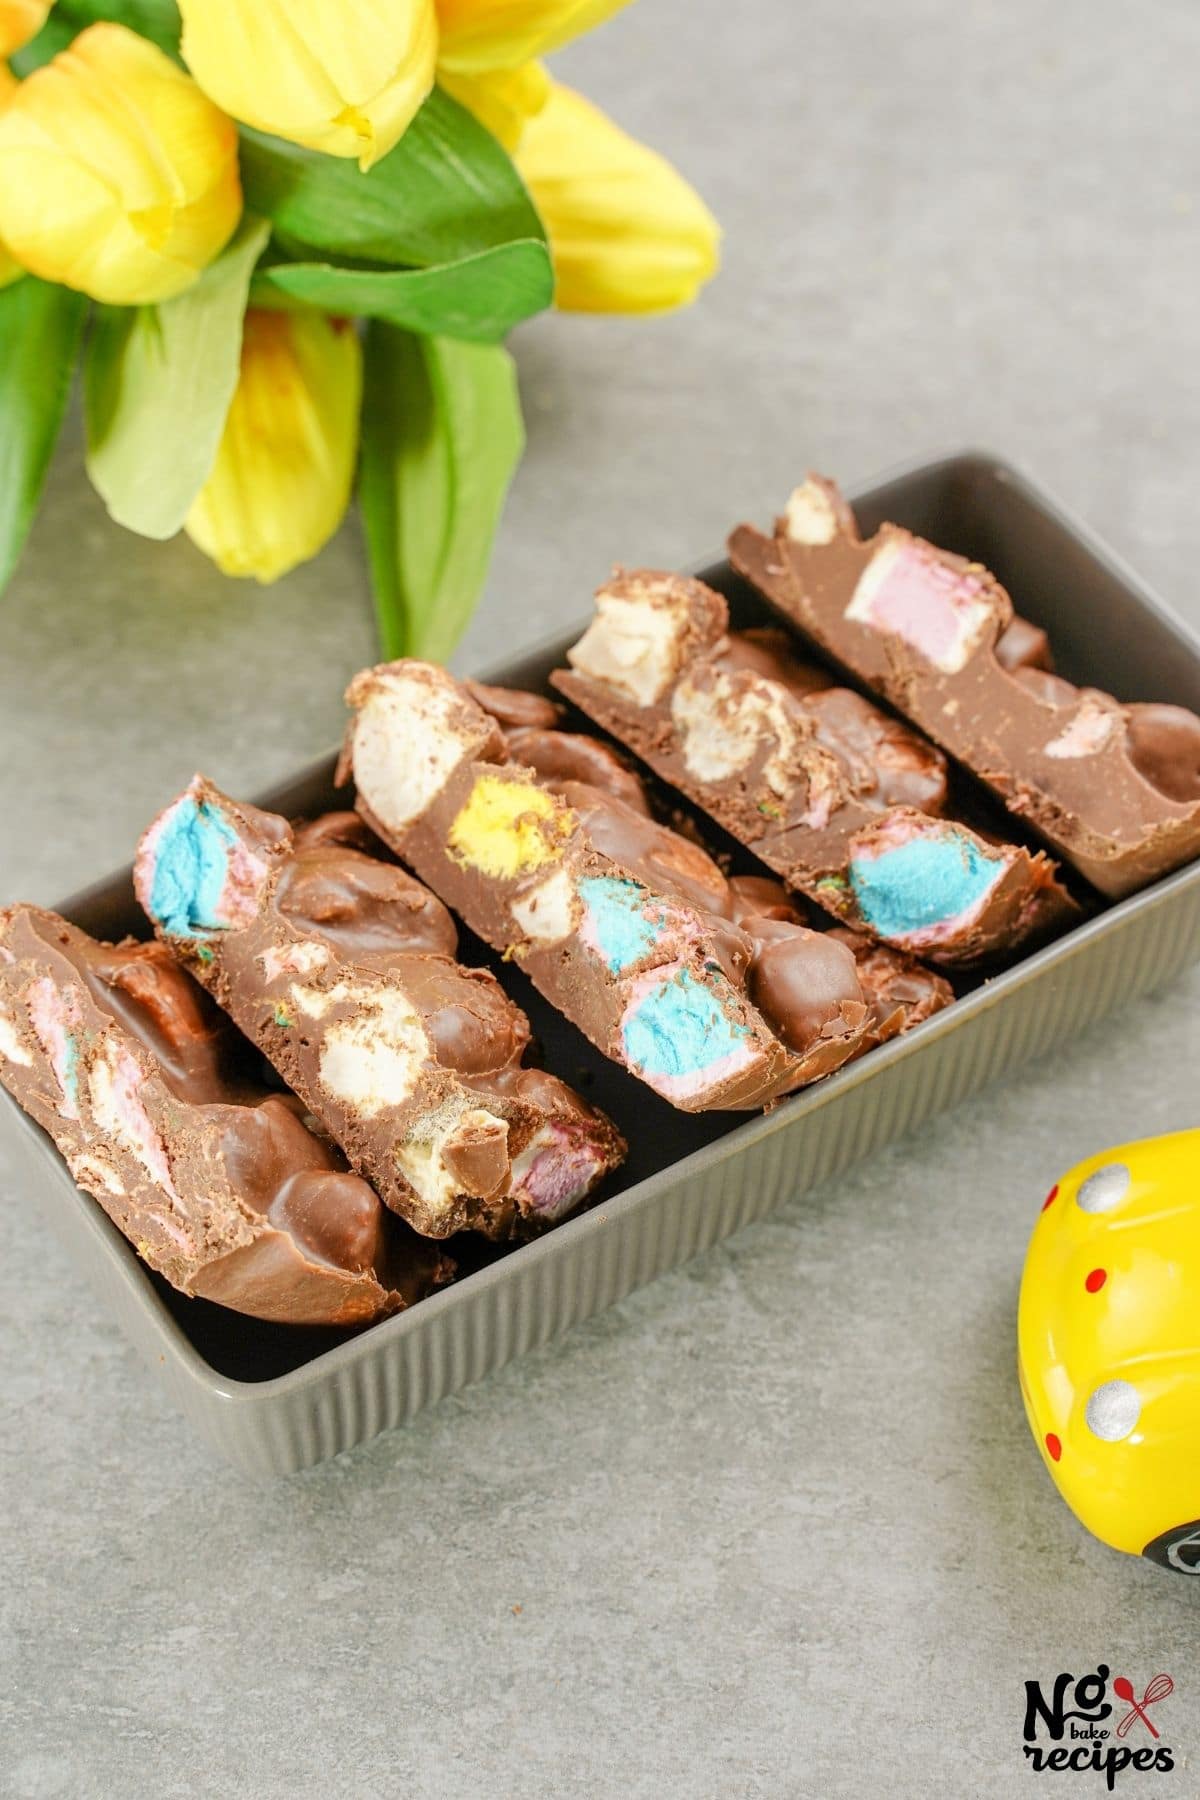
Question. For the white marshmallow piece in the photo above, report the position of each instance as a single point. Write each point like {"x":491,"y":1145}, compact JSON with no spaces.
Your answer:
{"x":421,"y":1160}
{"x":725,"y":723}
{"x":411,"y":733}
{"x":373,"y":1060}
{"x":1088,"y":731}
{"x":810,"y":515}
{"x":114,"y":1088}
{"x":91,"y":1173}
{"x":294,"y":959}
{"x":723,"y":726}
{"x":635,"y":642}
{"x":11,"y":1047}
{"x":549,"y":912}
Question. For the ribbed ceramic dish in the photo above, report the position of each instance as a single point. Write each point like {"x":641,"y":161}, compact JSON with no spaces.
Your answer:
{"x":275,"y":1400}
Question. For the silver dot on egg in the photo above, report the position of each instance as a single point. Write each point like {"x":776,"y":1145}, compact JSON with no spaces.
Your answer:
{"x":1104,"y":1189}
{"x":1113,"y":1410}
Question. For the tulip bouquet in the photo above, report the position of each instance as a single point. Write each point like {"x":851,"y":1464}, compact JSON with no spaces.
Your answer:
{"x":286,"y":240}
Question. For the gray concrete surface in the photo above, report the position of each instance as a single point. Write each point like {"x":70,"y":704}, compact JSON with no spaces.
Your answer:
{"x":773,"y":1527}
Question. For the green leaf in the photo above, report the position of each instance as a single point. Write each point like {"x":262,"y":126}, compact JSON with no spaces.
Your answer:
{"x":157,"y":385}
{"x":479,"y":297}
{"x":40,"y":326}
{"x":441,"y":436}
{"x":157,"y":20}
{"x":445,"y":192}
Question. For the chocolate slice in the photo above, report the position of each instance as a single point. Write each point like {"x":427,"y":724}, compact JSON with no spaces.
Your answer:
{"x":219,"y":1185}
{"x":900,"y":991}
{"x":620,"y":922}
{"x":847,"y":804}
{"x":1114,"y":788}
{"x":341,"y":969}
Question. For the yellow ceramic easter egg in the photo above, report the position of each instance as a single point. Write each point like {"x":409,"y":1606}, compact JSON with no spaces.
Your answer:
{"x":1109,"y":1345}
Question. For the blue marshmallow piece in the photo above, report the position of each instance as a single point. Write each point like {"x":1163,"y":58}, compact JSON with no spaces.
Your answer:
{"x":191,"y":861}
{"x":679,"y":1028}
{"x":922,"y":883}
{"x":616,"y":915}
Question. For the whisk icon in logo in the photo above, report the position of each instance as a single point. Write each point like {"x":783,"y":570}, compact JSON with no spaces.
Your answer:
{"x":1158,"y":1689}
{"x":1079,"y":1711}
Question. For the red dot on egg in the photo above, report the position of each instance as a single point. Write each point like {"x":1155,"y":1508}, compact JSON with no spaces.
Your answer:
{"x":1050,"y":1196}
{"x":1096,"y":1280}
{"x":1053,"y":1446}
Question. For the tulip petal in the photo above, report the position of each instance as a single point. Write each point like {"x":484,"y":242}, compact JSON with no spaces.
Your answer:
{"x":504,"y":100}
{"x":627,"y":232}
{"x":20,"y":20}
{"x":281,"y":481}
{"x":342,"y":76}
{"x":117,"y":175}
{"x":500,"y":34}
{"x":10,"y":268}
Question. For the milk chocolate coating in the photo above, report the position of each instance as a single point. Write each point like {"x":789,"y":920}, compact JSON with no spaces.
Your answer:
{"x":514,"y":709}
{"x":232,"y":1196}
{"x":892,"y":982}
{"x":199,"y":1058}
{"x":1114,"y":791}
{"x":659,"y":855}
{"x":560,"y":756}
{"x":887,"y":763}
{"x":900,"y":991}
{"x":338,"y":827}
{"x":800,"y":980}
{"x":1023,"y":645}
{"x":1048,"y":687}
{"x":369,"y":910}
{"x":528,"y":887}
{"x":765,"y":650}
{"x":822,"y":784}
{"x":762,"y":897}
{"x":341,"y":969}
{"x":1164,"y":748}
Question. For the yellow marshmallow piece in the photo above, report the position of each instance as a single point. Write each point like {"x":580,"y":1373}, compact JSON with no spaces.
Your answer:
{"x":509,"y":827}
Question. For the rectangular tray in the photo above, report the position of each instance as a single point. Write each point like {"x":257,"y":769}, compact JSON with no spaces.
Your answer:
{"x":274,"y":1400}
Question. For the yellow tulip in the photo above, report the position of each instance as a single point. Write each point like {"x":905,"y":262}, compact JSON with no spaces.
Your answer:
{"x":500,"y":34}
{"x":627,"y":233}
{"x":20,"y":20}
{"x":502,"y":99}
{"x":117,"y":175}
{"x":343,"y":76}
{"x":10,"y":270}
{"x":281,"y":481}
